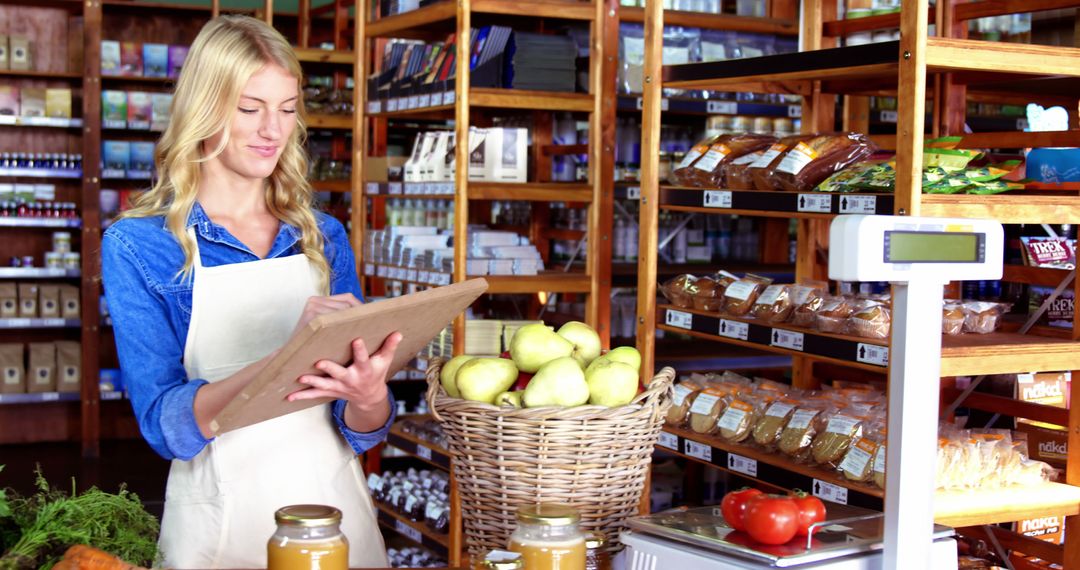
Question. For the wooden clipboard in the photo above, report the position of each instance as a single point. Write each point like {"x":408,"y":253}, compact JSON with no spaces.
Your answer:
{"x":418,"y":317}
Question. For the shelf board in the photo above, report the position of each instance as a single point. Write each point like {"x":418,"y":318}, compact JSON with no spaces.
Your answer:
{"x":715,"y":21}
{"x":547,"y":281}
{"x":38,"y":273}
{"x":31,"y":74}
{"x":138,"y":79}
{"x":39,"y":398}
{"x":316,"y":55}
{"x":39,"y":173}
{"x":40,"y":323}
{"x":679,"y":106}
{"x":621,"y":268}
{"x":531,"y":191}
{"x":1005,"y":504}
{"x":950,"y":54}
{"x":418,"y":532}
{"x":1008,"y":208}
{"x":774,"y":204}
{"x":433,"y":190}
{"x":50,"y":122}
{"x":558,"y":9}
{"x":156,"y":6}
{"x":12,"y":222}
{"x":393,"y":26}
{"x":438,"y":16}
{"x":770,"y":468}
{"x":864,"y":353}
{"x":426,"y":451}
{"x":338,"y":122}
{"x":531,"y":100}
{"x":1005,"y":353}
{"x":331,"y":185}
{"x":1044,"y":276}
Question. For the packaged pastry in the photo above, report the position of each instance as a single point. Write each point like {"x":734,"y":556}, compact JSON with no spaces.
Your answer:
{"x":982,"y":317}
{"x":833,"y":314}
{"x":681,"y":174}
{"x":871,"y":321}
{"x":680,"y":290}
{"x":812,"y":300}
{"x":879,"y":464}
{"x":741,"y":295}
{"x":679,"y":412}
{"x":759,"y":171}
{"x":739,"y":418}
{"x":952,"y":318}
{"x":736,"y":172}
{"x":858,"y":463}
{"x":707,"y":408}
{"x":809,"y":163}
{"x":774,"y":305}
{"x":841,"y":430}
{"x":771,"y":424}
{"x":708,"y":171}
{"x":709,"y":295}
{"x":798,"y":434}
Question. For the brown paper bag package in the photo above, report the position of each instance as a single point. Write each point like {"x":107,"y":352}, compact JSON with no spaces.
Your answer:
{"x":68,"y":370}
{"x":69,"y":302}
{"x":49,"y":301}
{"x":9,"y":301}
{"x":41,"y":374}
{"x":28,"y":299}
{"x":12,"y":372}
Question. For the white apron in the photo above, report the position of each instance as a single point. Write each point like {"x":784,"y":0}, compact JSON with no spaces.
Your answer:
{"x":219,"y":507}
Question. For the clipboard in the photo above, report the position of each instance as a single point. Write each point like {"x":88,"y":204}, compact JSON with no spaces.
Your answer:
{"x":419,"y":317}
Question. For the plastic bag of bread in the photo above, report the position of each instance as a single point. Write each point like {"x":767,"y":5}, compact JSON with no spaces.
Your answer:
{"x":771,"y":423}
{"x":878,"y":474}
{"x":740,"y":417}
{"x":858,"y":462}
{"x":771,"y":388}
{"x":741,"y":295}
{"x":809,"y":163}
{"x":707,"y":408}
{"x":685,"y":392}
{"x":841,"y":431}
{"x":982,"y":317}
{"x":799,"y":432}
{"x":833,"y":314}
{"x":680,"y":290}
{"x":736,"y":173}
{"x":681,"y":173}
{"x":807,"y":300}
{"x":759,"y":171}
{"x":952,"y":318}
{"x":995,"y":450}
{"x":708,"y":171}
{"x":774,"y":305}
{"x":872,"y":320}
{"x":710,"y":291}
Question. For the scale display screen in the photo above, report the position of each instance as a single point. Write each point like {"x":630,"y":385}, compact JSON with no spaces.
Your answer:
{"x":934,"y":247}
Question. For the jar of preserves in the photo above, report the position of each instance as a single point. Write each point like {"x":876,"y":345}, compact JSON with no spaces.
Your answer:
{"x":308,"y":537}
{"x":548,"y":538}
{"x":596,"y":558}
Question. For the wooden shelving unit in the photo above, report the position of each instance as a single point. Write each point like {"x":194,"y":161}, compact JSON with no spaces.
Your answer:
{"x":949,"y":68}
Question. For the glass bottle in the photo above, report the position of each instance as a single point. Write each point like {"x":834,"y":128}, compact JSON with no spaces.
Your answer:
{"x":308,"y":537}
{"x":548,"y":537}
{"x":596,"y":558}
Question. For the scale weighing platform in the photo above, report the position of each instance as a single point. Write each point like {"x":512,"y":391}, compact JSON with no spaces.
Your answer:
{"x":919,"y":256}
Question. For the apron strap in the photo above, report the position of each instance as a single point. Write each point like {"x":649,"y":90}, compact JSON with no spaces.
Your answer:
{"x":196,"y":258}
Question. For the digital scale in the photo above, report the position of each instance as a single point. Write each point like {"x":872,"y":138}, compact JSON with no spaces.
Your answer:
{"x":919,"y":256}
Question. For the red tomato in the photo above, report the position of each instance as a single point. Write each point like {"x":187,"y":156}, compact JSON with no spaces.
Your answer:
{"x":811,"y":510}
{"x":733,"y":507}
{"x":772,"y":519}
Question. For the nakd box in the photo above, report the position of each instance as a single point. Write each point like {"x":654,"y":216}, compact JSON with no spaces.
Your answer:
{"x":1046,"y":444}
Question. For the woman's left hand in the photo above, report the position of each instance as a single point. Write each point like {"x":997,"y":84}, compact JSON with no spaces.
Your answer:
{"x":362,"y":383}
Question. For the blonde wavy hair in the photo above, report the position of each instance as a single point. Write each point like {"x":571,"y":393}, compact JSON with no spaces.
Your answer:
{"x":224,"y":56}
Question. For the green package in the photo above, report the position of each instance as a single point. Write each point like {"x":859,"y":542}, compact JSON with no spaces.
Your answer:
{"x":847,"y":180}
{"x":949,"y":159}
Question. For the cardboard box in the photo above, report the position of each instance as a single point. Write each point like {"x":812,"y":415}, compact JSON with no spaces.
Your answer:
{"x":131,"y":64}
{"x":1059,"y":313}
{"x":19,"y":57}
{"x":110,"y":57}
{"x":511,"y":155}
{"x":160,"y":109}
{"x":114,"y":109}
{"x":32,"y":102}
{"x":155,"y":60}
{"x":4,"y":64}
{"x":142,"y":158}
{"x":58,"y":103}
{"x":1048,"y":528}
{"x":139,"y":110}
{"x":9,"y":100}
{"x":480,"y":163}
{"x":383,"y":168}
{"x":1046,"y":444}
{"x":116,"y":155}
{"x":177,"y":55}
{"x":415,"y":166}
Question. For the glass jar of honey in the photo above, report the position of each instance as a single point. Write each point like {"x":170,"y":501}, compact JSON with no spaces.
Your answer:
{"x":548,"y":538}
{"x":498,"y":560}
{"x":308,"y":537}
{"x":596,"y":558}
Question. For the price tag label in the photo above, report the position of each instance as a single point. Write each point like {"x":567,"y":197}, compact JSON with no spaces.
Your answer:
{"x":668,"y":440}
{"x":414,"y":102}
{"x":888,"y":116}
{"x":787,"y":339}
{"x":633,"y":193}
{"x":17,"y":323}
{"x":436,"y":99}
{"x":818,"y":203}
{"x":425,"y":100}
{"x":382,"y":271}
{"x":699,"y":450}
{"x":716,"y":199}
{"x":369,"y":269}
{"x":663,"y":104}
{"x":679,"y":319}
{"x":830,"y":492}
{"x":372,"y":187}
{"x":734,"y":329}
{"x":858,"y":204}
{"x":423,"y":452}
{"x":794,"y":111}
{"x":394,"y":188}
{"x":408,"y":531}
{"x":444,"y":279}
{"x":411,"y":275}
{"x":872,"y":354}
{"x":721,"y":107}
{"x":50,"y":397}
{"x":391,"y":105}
{"x":448,"y":98}
{"x":741,"y":464}
{"x":372,"y":107}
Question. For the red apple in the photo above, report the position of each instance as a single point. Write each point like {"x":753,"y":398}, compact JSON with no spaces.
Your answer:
{"x":522,"y":381}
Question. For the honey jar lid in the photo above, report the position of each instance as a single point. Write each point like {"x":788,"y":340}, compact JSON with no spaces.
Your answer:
{"x":594,"y":540}
{"x":307,"y":515}
{"x":548,"y":514}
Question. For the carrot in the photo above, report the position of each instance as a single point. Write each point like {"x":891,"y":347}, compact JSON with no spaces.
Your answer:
{"x":84,"y":557}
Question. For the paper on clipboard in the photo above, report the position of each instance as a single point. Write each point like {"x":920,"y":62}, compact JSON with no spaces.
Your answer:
{"x":418,"y":317}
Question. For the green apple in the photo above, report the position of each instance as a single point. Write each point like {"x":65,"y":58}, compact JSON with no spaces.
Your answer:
{"x":611,"y":383}
{"x":509,"y":399}
{"x":535,"y":345}
{"x":560,"y":382}
{"x":586,"y":341}
{"x":626,"y":355}
{"x":481,"y":379}
{"x":448,"y":373}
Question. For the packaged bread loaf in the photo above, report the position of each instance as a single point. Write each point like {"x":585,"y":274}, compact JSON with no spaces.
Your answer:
{"x":741,"y":295}
{"x":858,"y":462}
{"x":870,"y":321}
{"x":800,"y":430}
{"x":758,"y":171}
{"x":833,"y":313}
{"x":809,"y":163}
{"x":681,"y":173}
{"x":952,"y":318}
{"x":774,"y":305}
{"x":805,"y":310}
{"x":768,"y":428}
{"x":680,"y":290}
{"x":739,"y":418}
{"x":709,"y":295}
{"x":982,"y":317}
{"x":736,"y":174}
{"x":879,"y":465}
{"x":708,"y":171}
{"x":679,"y":412}
{"x":707,"y":408}
{"x":833,"y":442}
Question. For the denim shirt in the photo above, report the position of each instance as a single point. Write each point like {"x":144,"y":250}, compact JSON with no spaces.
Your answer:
{"x":151,"y":311}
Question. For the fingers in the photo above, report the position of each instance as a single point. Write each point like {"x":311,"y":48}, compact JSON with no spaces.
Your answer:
{"x":311,"y":394}
{"x":360,"y":352}
{"x":347,"y":298}
{"x":389,"y":346}
{"x":331,"y":369}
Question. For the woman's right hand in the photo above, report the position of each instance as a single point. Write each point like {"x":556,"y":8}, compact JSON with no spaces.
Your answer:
{"x":322,"y":305}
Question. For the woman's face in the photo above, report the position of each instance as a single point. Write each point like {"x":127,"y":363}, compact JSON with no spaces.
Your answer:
{"x":262,"y":123}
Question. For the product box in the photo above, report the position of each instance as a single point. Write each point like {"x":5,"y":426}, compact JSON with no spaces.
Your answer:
{"x":131,"y":64}
{"x":1059,"y":313}
{"x":12,"y":368}
{"x":44,"y":192}
{"x":58,"y":103}
{"x":139,"y":110}
{"x":110,"y":57}
{"x":1048,"y":528}
{"x":4,"y":64}
{"x":177,"y":55}
{"x":160,"y":108}
{"x":414,"y":167}
{"x":155,"y":60}
{"x":1046,"y":442}
{"x":32,"y":102}
{"x":511,"y":154}
{"x":24,"y":193}
{"x":142,"y":160}
{"x":9,"y":100}
{"x":384,"y":168}
{"x":19,"y":58}
{"x":114,"y":111}
{"x":481,"y":166}
{"x":7,"y":194}
{"x":68,"y":366}
{"x":41,"y":375}
{"x":1056,"y":252}
{"x":116,"y":158}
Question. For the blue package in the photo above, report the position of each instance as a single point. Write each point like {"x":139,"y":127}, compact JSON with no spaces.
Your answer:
{"x":142,"y":160}
{"x":109,"y":380}
{"x":155,"y":60}
{"x":115,"y":158}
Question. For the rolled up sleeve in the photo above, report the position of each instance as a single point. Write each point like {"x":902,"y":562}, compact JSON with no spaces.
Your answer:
{"x":363,"y":441}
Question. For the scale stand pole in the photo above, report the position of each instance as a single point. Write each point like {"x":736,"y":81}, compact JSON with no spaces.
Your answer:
{"x":911,"y":455}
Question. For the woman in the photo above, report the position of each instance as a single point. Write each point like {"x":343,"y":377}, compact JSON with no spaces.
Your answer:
{"x":206,"y":276}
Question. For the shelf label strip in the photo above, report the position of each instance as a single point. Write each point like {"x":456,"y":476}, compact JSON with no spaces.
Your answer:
{"x":716,"y":199}
{"x":830,"y":492}
{"x":741,"y":464}
{"x":816,"y":203}
{"x":872,"y":354}
{"x":698,"y":450}
{"x":858,"y":204}
{"x":408,"y":531}
{"x":668,"y":440}
{"x":679,"y":319}
{"x":734,"y":329}
{"x":787,"y":339}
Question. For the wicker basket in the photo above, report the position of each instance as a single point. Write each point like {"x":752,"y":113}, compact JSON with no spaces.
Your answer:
{"x":592,"y":457}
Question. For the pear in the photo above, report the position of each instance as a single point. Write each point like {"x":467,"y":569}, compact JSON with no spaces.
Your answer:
{"x":586,"y":342}
{"x":509,"y":399}
{"x":560,"y":382}
{"x":535,"y":345}
{"x":611,"y":383}
{"x":448,"y":373}
{"x":481,"y":379}
{"x":626,"y":355}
